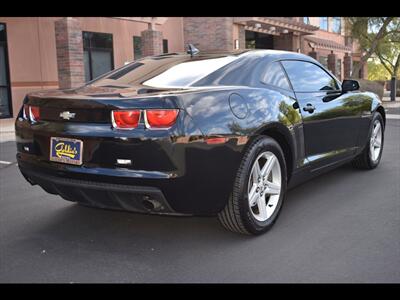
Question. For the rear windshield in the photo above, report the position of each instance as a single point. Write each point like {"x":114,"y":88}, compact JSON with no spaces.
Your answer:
{"x":169,"y":71}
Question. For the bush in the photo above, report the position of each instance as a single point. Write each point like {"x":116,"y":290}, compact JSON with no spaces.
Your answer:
{"x":376,"y":87}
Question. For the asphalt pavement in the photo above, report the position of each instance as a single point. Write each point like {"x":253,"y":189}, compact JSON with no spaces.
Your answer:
{"x":340,"y":227}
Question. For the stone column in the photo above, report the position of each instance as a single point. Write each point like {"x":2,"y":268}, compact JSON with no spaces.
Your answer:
{"x":151,"y":41}
{"x":209,"y":33}
{"x":347,"y":65}
{"x":313,"y":54}
{"x":69,"y":49}
{"x":242,"y":37}
{"x":332,"y":63}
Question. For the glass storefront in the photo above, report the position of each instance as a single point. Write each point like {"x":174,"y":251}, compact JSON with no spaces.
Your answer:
{"x":5,"y":89}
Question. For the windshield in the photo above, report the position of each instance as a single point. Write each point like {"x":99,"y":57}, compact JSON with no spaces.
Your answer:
{"x":168,"y":71}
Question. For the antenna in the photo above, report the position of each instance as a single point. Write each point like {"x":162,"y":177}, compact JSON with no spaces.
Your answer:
{"x":192,"y":50}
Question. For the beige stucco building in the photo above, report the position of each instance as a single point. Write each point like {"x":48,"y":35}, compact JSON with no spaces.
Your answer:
{"x":57,"y":52}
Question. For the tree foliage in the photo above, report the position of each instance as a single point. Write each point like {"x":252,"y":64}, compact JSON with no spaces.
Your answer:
{"x":371,"y":34}
{"x":376,"y":71}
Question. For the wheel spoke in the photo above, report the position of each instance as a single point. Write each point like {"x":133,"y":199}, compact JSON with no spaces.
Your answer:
{"x":253,"y":195}
{"x":377,"y":143}
{"x":376,"y":129}
{"x":273,"y":188}
{"x":268,"y":166}
{"x":262,"y":207}
{"x":271,"y":205}
{"x":372,"y":150}
{"x":256,"y":172}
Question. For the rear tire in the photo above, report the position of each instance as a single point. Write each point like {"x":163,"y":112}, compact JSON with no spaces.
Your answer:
{"x":369,"y":158}
{"x":258,"y":192}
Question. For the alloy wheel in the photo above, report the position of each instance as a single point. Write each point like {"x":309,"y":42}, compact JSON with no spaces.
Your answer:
{"x":375,"y":145}
{"x":264,"y":186}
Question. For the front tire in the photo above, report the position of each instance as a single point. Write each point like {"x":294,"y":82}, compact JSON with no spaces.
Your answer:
{"x":259,"y":189}
{"x":370,"y":157}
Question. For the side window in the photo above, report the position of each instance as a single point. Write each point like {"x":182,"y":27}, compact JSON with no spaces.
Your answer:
{"x":308,"y":77}
{"x":274,"y":75}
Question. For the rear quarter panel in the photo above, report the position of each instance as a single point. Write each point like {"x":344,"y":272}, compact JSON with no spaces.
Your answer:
{"x":260,"y":108}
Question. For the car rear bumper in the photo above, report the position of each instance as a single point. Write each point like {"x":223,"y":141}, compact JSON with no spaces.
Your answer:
{"x":178,"y":169}
{"x":142,"y":199}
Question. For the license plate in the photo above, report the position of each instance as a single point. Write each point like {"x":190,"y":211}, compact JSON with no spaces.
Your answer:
{"x":65,"y":150}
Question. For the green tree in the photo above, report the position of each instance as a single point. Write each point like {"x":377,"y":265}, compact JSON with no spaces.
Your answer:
{"x":388,"y":53}
{"x":376,"y":71}
{"x":370,"y":32}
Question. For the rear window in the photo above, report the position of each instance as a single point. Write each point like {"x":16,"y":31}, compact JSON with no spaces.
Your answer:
{"x":174,"y":71}
{"x":184,"y":74}
{"x":274,"y":75}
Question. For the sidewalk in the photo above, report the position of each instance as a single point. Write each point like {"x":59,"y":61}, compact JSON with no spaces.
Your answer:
{"x":390,"y":104}
{"x":7,"y":131}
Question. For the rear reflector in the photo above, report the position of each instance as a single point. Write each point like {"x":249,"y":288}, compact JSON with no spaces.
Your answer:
{"x":125,"y":119}
{"x":216,"y":140}
{"x":161,"y":118}
{"x":34,"y":113}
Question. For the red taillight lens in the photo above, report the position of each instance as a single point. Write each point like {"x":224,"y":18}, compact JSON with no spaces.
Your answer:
{"x":34,"y":113}
{"x":126,"y":119}
{"x":161,"y":118}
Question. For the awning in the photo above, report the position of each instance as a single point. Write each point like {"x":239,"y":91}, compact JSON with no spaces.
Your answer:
{"x":327,"y":44}
{"x":275,"y":25}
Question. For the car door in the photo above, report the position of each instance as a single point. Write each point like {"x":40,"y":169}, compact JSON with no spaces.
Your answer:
{"x":330,"y":129}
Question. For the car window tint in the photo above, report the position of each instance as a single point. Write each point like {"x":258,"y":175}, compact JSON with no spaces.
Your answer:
{"x":274,"y":75}
{"x":308,"y":77}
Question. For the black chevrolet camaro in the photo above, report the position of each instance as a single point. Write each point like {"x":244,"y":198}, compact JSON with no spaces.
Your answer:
{"x":222,"y":133}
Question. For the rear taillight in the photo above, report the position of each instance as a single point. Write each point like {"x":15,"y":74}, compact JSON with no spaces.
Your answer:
{"x":34,"y":113}
{"x":160,"y":118}
{"x":125,"y":119}
{"x":31,"y":113}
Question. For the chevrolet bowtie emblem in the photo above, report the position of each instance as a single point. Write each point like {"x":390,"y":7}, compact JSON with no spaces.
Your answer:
{"x":67,"y":115}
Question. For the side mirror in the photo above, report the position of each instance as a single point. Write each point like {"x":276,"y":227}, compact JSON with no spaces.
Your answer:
{"x":350,"y":85}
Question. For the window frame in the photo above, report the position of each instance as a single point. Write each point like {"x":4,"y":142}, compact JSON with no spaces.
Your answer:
{"x":327,"y":23}
{"x":90,"y":48}
{"x":338,"y":83}
{"x":165,"y":45}
{"x":334,"y":19}
{"x":134,"y":43}
{"x":284,"y":72}
{"x":7,"y":72}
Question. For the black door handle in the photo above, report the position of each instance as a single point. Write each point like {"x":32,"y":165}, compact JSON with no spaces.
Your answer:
{"x":309,"y":107}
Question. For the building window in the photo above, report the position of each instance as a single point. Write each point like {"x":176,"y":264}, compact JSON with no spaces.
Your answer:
{"x":306,"y":20}
{"x":5,"y":88}
{"x":323,"y":23}
{"x":97,"y":54}
{"x":336,"y":24}
{"x":137,"y":47}
{"x":339,"y":69}
{"x":165,"y":46}
{"x":323,"y":61}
